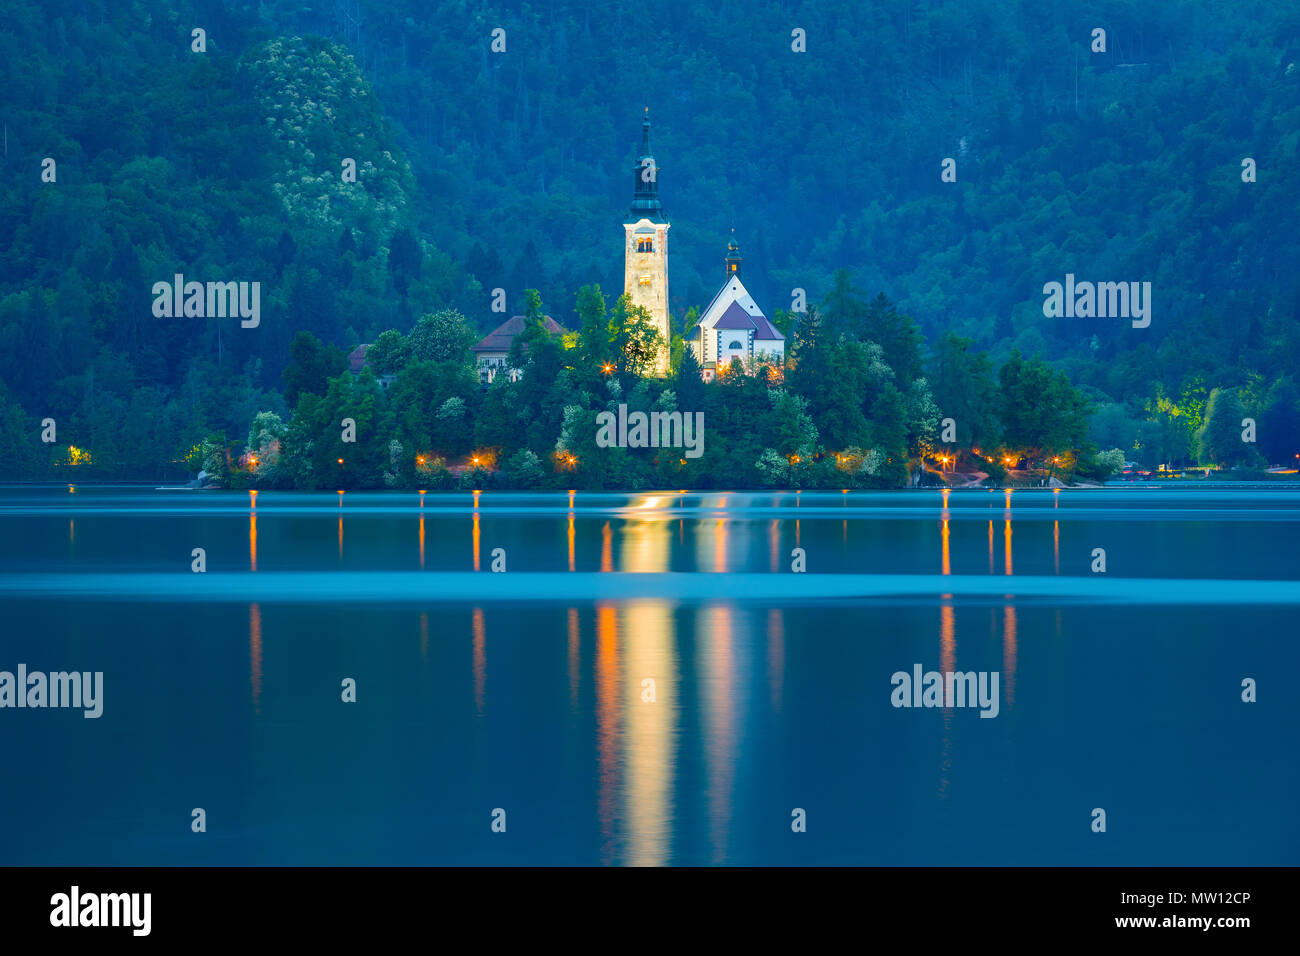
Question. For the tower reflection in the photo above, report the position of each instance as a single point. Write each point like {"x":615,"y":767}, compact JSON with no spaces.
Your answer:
{"x":947,"y":664}
{"x":255,"y":655}
{"x":480,"y":661}
{"x":719,"y":691}
{"x":646,"y":637}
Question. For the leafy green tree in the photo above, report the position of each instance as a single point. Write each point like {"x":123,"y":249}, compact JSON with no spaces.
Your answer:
{"x":634,"y":337}
{"x":388,"y":353}
{"x":898,"y":336}
{"x":1219,"y":440}
{"x":442,"y":336}
{"x":593,"y":328}
{"x":843,"y":310}
{"x":311,"y":365}
{"x":833,"y":375}
{"x":689,"y":385}
{"x":265,"y":444}
{"x":1040,"y":410}
{"x":524,"y":469}
{"x":964,"y":390}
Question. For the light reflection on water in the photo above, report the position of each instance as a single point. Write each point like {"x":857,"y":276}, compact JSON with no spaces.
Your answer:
{"x":678,"y":768}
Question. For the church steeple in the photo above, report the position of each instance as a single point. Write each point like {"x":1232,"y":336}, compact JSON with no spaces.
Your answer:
{"x":645,"y":250}
{"x":645,"y":197}
{"x":733,"y":256}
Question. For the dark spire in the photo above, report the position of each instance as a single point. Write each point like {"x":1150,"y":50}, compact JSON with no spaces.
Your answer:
{"x":645,"y":198}
{"x":733,"y":255}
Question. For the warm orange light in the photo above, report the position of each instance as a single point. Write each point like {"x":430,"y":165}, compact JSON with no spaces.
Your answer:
{"x":607,"y":368}
{"x":340,"y":461}
{"x":419,"y":460}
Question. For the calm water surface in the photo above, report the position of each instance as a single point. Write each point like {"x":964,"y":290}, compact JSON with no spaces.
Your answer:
{"x":524,"y":690}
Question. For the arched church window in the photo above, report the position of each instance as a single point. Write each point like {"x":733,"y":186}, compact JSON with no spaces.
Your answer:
{"x":645,"y":244}
{"x":646,"y":280}
{"x":736,"y":344}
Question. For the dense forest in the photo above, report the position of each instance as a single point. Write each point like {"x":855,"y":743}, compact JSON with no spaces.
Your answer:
{"x":130,"y":156}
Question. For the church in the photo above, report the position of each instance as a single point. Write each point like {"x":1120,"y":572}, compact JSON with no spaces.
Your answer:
{"x":733,"y":326}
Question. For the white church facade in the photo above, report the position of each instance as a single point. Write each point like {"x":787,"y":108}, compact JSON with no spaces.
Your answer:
{"x":734,"y":327}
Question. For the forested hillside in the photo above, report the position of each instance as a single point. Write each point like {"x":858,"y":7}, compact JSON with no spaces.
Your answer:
{"x":478,"y":170}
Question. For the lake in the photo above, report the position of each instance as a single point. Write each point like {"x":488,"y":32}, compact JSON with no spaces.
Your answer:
{"x":649,"y":680}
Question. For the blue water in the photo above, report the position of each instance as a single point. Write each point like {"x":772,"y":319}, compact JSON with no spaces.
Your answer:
{"x":523,"y":691}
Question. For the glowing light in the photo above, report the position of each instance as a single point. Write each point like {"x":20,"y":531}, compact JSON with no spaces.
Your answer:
{"x":340,"y":461}
{"x":650,"y":503}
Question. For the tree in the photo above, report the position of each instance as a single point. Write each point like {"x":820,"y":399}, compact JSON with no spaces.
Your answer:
{"x":311,"y":365}
{"x":524,"y":469}
{"x":634,"y":337}
{"x":264,"y":438}
{"x":1039,"y":408}
{"x":833,"y":375}
{"x":842,"y":309}
{"x":898,"y":336}
{"x":1279,"y":423}
{"x":387,"y":354}
{"x":689,"y":384}
{"x":962,"y":384}
{"x":442,"y":336}
{"x":1219,"y":441}
{"x":593,"y":328}
{"x":405,"y":259}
